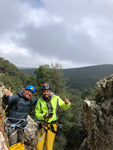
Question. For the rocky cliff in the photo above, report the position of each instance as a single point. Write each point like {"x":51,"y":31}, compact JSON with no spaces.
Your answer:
{"x":98,"y":117}
{"x":29,"y":137}
{"x":3,"y":139}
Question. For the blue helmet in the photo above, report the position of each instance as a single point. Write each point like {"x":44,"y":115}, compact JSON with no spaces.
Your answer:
{"x":30,"y":87}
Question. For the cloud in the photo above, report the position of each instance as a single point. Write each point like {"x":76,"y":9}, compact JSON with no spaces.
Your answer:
{"x":73,"y":33}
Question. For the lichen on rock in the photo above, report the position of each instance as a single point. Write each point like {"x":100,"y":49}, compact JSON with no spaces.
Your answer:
{"x":104,"y":89}
{"x":98,"y":117}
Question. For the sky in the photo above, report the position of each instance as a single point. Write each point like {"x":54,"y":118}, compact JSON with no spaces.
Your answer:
{"x":72,"y":33}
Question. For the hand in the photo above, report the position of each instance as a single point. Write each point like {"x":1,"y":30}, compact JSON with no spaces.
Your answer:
{"x":47,"y":116}
{"x":43,"y":125}
{"x":66,"y":101}
{"x":8,"y":92}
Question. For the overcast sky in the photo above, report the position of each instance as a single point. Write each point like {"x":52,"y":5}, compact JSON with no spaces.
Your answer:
{"x":73,"y":33}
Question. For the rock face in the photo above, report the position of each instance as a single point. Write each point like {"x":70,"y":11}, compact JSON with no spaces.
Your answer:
{"x":3,"y":140}
{"x":98,"y":117}
{"x":29,"y":137}
{"x":3,"y":146}
{"x":104,"y":89}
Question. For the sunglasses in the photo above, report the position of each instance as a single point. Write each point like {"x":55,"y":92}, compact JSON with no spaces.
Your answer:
{"x":29,"y":93}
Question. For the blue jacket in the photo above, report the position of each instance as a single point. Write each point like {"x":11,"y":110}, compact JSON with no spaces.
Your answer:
{"x":19,"y":106}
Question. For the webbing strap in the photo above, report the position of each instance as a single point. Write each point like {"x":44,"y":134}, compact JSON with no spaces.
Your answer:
{"x":51,"y":128}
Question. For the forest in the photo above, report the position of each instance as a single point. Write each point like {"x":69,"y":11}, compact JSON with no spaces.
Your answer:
{"x":72,"y":133}
{"x":84,"y":77}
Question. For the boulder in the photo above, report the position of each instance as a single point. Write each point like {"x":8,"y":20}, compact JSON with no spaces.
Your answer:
{"x":3,"y":145}
{"x":104,"y":89}
{"x":98,"y":117}
{"x":30,"y":134}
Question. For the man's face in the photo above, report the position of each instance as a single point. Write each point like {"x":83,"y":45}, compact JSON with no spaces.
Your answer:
{"x":28,"y":94}
{"x":46,"y":93}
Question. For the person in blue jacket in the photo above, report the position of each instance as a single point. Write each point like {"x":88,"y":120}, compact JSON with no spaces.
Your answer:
{"x":19,"y":107}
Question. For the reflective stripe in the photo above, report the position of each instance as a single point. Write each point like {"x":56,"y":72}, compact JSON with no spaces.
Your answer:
{"x":57,"y":107}
{"x":42,"y":135}
{"x":49,"y":106}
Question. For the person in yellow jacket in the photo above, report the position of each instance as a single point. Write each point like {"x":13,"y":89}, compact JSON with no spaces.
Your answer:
{"x":47,"y":111}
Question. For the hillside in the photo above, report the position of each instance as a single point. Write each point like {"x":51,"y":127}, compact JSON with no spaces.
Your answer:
{"x":11,"y":76}
{"x":85,"y":77}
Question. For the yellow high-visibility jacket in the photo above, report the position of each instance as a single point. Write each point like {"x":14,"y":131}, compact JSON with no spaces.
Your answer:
{"x":41,"y":108}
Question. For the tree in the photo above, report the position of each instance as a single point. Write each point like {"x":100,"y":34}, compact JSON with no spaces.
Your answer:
{"x":12,"y":76}
{"x":88,"y":93}
{"x":52,"y":75}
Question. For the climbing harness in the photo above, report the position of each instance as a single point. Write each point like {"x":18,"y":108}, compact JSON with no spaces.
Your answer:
{"x":48,"y":125}
{"x":45,"y":134}
{"x":10,"y":127}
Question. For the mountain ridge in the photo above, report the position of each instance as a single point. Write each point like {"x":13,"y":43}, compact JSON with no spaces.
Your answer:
{"x":83,"y":77}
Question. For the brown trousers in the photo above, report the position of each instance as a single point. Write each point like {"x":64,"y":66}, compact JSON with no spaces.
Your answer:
{"x":15,"y":136}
